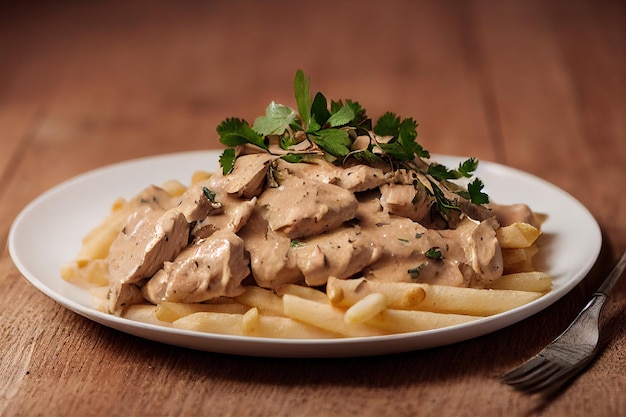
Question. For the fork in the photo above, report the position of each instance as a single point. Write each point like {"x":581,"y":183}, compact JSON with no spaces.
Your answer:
{"x":571,"y":351}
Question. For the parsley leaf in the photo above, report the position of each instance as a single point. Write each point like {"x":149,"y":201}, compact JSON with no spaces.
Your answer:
{"x":387,"y":125}
{"x":227,"y":160}
{"x":342,"y":116}
{"x":287,"y":141}
{"x":333,"y":141}
{"x":294,"y":157}
{"x":467,"y":167}
{"x":276,"y":120}
{"x":360,"y":115}
{"x":234,"y":131}
{"x":443,"y":204}
{"x":475,"y":190}
{"x":407,"y":133}
{"x":368,"y":157}
{"x":402,"y":146}
{"x":442,"y":173}
{"x":301,"y":87}
{"x":319,"y":109}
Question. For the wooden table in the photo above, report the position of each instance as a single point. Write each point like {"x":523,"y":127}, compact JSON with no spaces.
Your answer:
{"x":536,"y":85}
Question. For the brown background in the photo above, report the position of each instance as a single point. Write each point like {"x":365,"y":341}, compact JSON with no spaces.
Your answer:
{"x":537,"y":85}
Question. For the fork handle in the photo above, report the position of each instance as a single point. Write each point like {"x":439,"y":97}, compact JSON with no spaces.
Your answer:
{"x":590,"y":313}
{"x":613,"y":276}
{"x":593,"y":309}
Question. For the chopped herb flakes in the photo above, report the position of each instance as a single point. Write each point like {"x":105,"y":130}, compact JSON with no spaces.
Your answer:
{"x":434,"y":253}
{"x":415,"y":272}
{"x":210,"y":195}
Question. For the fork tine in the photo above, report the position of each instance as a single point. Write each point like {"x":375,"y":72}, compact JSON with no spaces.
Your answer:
{"x":548,"y":379}
{"x":524,"y":368}
{"x":535,"y":377}
{"x":555,"y":381}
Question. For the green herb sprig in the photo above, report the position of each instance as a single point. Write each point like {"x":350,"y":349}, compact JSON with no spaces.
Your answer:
{"x":331,"y":129}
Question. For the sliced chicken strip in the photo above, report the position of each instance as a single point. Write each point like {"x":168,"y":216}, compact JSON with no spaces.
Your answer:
{"x":406,"y":200}
{"x":234,"y":214}
{"x":356,"y":178}
{"x":272,"y":261}
{"x":341,"y":253}
{"x":301,"y":208}
{"x":248,"y":175}
{"x":208,"y":269}
{"x":466,"y":256}
{"x":151,"y":237}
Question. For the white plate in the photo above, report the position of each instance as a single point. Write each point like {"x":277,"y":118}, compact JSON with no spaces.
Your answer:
{"x":49,"y":230}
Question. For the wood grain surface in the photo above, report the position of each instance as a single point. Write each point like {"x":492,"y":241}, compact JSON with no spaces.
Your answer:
{"x":536,"y":85}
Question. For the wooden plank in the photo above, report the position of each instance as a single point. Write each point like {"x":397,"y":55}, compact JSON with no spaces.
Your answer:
{"x":498,"y":79}
{"x":569,"y":95}
{"x":516,"y":37}
{"x":596,"y":60}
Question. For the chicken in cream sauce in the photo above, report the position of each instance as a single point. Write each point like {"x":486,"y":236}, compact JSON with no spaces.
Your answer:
{"x":270,"y":222}
{"x":307,"y":195}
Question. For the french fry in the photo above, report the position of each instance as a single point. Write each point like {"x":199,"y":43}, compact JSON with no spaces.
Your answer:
{"x":309,"y":293}
{"x":198,"y":176}
{"x":400,"y":295}
{"x":99,"y":296}
{"x":260,"y":325}
{"x":406,"y":321}
{"x":517,"y":235}
{"x":174,"y":188}
{"x":86,"y":272}
{"x":250,"y":320}
{"x":211,"y":322}
{"x":96,"y":244}
{"x":526,"y":266}
{"x":365,"y":308}
{"x":515,"y":256}
{"x":473,"y":301}
{"x":519,"y":259}
{"x":325,"y":316}
{"x":144,"y":313}
{"x":252,"y":323}
{"x":524,"y":281}
{"x":169,"y":311}
{"x":265,"y":300}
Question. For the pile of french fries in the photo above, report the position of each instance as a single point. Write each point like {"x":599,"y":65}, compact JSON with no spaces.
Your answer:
{"x":344,"y":308}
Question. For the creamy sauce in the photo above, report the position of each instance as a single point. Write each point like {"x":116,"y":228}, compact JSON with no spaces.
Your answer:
{"x":276,"y":223}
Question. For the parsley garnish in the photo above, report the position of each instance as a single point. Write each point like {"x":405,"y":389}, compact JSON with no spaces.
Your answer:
{"x":466,"y":169}
{"x":235,"y":132}
{"x":415,"y":272}
{"x":402,"y":146}
{"x":434,"y":253}
{"x":475,"y":190}
{"x":277,"y":118}
{"x":330,"y":129}
{"x":227,"y":160}
{"x":210,"y":195}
